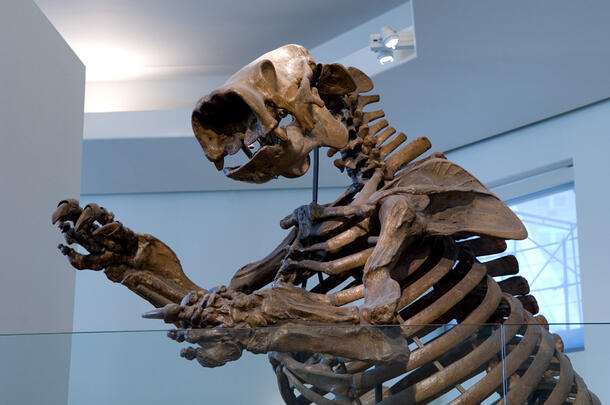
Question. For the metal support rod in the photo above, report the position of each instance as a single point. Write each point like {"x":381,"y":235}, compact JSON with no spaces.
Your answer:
{"x":316,"y":170}
{"x":378,"y":393}
{"x":504,"y":382}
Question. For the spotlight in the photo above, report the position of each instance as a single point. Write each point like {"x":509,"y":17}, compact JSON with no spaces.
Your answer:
{"x":385,"y":56}
{"x":388,"y":41}
{"x":389,"y":36}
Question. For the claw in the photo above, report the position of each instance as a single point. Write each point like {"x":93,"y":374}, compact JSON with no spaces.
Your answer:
{"x":168,"y":313}
{"x":107,"y":229}
{"x":193,"y":297}
{"x":86,"y":218}
{"x":91,"y":213}
{"x":65,"y":250}
{"x":209,"y":299}
{"x":65,"y":209}
{"x":189,"y":353}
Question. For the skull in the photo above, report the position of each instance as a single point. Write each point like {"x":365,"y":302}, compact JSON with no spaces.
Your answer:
{"x":249,"y":110}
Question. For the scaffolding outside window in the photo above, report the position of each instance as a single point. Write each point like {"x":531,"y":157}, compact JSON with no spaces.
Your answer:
{"x":549,"y":260}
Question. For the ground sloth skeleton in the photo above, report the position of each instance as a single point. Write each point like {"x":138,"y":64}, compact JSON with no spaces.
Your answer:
{"x":402,"y":241}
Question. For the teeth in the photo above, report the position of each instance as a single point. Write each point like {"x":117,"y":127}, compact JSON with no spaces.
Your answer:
{"x":250,"y":137}
{"x":275,"y":137}
{"x":247,"y":142}
{"x":264,"y":140}
{"x":247,"y":150}
{"x":281,"y":133}
{"x":219,"y":163}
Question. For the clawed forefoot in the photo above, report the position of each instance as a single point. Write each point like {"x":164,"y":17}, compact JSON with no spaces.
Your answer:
{"x":139,"y":261}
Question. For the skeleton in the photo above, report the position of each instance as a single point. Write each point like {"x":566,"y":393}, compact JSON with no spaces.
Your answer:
{"x":406,"y":234}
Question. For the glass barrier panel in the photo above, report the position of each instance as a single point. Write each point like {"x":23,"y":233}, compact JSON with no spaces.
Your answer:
{"x":591,"y":362}
{"x":439,"y":364}
{"x":353,"y":364}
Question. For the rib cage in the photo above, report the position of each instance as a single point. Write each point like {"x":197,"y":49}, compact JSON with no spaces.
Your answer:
{"x":536,"y":369}
{"x":445,"y":283}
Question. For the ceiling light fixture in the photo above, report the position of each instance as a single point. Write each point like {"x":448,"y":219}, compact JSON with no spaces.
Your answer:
{"x":385,"y":56}
{"x":388,"y":41}
{"x":389,"y":36}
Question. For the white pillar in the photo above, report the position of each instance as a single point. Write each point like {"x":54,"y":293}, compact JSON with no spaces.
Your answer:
{"x":41,"y":118}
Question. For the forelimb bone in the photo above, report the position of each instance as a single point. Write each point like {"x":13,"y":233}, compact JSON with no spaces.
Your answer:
{"x":399,"y":225}
{"x":379,"y":345}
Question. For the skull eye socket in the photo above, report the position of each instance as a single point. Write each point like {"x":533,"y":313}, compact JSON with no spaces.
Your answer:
{"x":283,"y":116}
{"x":226,"y":114}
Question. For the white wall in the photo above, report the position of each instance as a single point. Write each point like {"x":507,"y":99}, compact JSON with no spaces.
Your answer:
{"x":41,"y":116}
{"x":159,"y":94}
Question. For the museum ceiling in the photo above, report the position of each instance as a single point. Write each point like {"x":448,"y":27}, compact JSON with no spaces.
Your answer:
{"x":199,"y":36}
{"x":482,"y":68}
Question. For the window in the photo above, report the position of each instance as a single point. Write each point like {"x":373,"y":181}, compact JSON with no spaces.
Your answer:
{"x":548,"y":259}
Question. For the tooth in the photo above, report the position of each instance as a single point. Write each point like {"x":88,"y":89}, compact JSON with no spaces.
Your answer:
{"x":219,"y":163}
{"x":250,"y":137}
{"x":264,"y":140}
{"x":247,"y":151}
{"x":280,"y":133}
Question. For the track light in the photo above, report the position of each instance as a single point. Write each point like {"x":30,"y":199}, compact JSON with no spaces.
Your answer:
{"x":385,"y":56}
{"x":389,"y":36}
{"x":388,"y":41}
